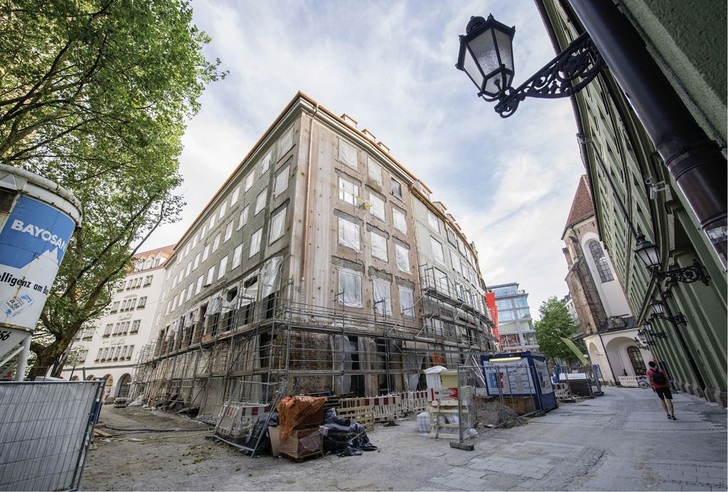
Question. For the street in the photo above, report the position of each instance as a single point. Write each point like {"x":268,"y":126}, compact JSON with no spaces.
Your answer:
{"x":619,"y":441}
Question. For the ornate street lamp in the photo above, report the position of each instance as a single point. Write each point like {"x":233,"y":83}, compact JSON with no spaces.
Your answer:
{"x":650,"y":256}
{"x":658,"y":308}
{"x":486,"y":56}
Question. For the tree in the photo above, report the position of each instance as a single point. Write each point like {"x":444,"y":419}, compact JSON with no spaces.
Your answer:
{"x":555,"y":322}
{"x":95,"y":95}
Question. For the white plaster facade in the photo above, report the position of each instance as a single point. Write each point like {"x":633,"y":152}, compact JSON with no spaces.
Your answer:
{"x":111,"y":346}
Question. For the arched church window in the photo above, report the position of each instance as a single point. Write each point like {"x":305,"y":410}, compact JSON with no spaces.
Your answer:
{"x":601,"y":262}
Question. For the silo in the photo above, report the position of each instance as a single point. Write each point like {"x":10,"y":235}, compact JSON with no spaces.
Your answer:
{"x":37,"y":220}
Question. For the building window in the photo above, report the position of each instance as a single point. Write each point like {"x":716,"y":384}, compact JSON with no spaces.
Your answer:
{"x":237,"y":256}
{"x":348,"y":191}
{"x":437,"y":252}
{"x":442,"y":284}
{"x":451,"y":237}
{"x":379,"y":246}
{"x":455,"y":259}
{"x":233,"y":200}
{"x":216,"y":242}
{"x":148,"y":280}
{"x":249,"y":180}
{"x":209,"y":279}
{"x":205,"y":252}
{"x":349,"y":234}
{"x":198,"y":285}
{"x":377,"y":209}
{"x":399,"y":219}
{"x":396,"y":188}
{"x":433,"y":221}
{"x":142,"y":302}
{"x":375,"y":171}
{"x":135,"y":326}
{"x":255,"y":242}
{"x":212,"y":222}
{"x":402,"y":256}
{"x":228,"y":231}
{"x":281,"y":183}
{"x":277,"y":225}
{"x":196,"y":261}
{"x":349,"y":288}
{"x":600,"y":261}
{"x":406,"y":302}
{"x":260,"y":202}
{"x":285,"y":143}
{"x":243,"y":219}
{"x":382,"y":297}
{"x":223,"y":209}
{"x":221,"y":269}
{"x":347,"y":154}
{"x":265,"y":164}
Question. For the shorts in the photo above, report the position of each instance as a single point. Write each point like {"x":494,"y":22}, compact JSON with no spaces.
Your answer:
{"x":664,"y":393}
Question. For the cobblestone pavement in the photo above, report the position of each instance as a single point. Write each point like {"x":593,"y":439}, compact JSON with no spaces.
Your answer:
{"x":619,"y":441}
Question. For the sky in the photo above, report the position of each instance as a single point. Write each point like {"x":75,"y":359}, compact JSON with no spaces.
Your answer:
{"x":390,"y":65}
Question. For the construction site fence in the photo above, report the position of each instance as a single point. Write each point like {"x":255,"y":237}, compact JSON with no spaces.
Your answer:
{"x":45,"y":431}
{"x":383,"y":409}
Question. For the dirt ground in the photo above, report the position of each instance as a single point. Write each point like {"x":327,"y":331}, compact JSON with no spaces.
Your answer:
{"x":150,"y":450}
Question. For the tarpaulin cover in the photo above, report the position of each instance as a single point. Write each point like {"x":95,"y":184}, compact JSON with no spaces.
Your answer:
{"x":294,"y":411}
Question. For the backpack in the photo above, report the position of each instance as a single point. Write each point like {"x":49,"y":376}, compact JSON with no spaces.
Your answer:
{"x":658,"y":377}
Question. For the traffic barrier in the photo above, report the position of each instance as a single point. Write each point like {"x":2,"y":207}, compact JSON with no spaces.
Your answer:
{"x":412,"y":402}
{"x":237,"y":419}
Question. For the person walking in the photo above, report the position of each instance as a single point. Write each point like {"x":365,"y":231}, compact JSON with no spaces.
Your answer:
{"x":661,"y":386}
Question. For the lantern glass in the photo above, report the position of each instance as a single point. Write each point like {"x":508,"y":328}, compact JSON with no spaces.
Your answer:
{"x":657,"y":307}
{"x":647,"y":252}
{"x":486,"y":56}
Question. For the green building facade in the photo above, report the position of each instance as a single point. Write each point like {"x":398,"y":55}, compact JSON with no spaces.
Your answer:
{"x":635,"y":194}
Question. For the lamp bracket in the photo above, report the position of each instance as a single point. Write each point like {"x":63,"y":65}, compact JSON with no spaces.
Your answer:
{"x":686,"y":275}
{"x":678,"y":319}
{"x":568,"y":73}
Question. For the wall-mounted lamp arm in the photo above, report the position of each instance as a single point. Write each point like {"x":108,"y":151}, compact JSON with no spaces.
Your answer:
{"x":568,"y":73}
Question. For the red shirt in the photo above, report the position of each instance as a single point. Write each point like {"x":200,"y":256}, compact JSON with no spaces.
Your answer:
{"x":651,"y":374}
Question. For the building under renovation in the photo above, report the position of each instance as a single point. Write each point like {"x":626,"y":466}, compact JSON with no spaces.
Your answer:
{"x":321,"y":266}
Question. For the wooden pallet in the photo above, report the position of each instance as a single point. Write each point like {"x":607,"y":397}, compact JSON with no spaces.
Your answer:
{"x":305,"y":457}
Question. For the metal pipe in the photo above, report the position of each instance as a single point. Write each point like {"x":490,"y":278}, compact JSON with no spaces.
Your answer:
{"x":693,"y":160}
{"x":304,"y":245}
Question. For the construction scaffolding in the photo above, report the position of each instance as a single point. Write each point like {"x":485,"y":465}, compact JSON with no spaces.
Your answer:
{"x":260,"y":340}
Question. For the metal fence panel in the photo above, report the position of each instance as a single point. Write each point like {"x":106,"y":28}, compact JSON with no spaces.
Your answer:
{"x":45,"y":430}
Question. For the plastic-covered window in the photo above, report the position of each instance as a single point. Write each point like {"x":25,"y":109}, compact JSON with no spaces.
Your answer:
{"x":406,"y":302}
{"x":399,"y":220}
{"x":347,"y":154}
{"x":437,"y":251}
{"x":382,"y":297}
{"x":349,"y":234}
{"x":402,"y":254}
{"x":349,"y":288}
{"x":255,"y":242}
{"x":379,"y":246}
{"x":377,"y":209}
{"x":281,"y":183}
{"x":276,"y":225}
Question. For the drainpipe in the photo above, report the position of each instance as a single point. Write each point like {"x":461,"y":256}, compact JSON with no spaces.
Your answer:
{"x":692,"y":159}
{"x":304,"y":246}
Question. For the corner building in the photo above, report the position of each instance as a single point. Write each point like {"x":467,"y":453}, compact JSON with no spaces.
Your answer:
{"x":321,"y":265}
